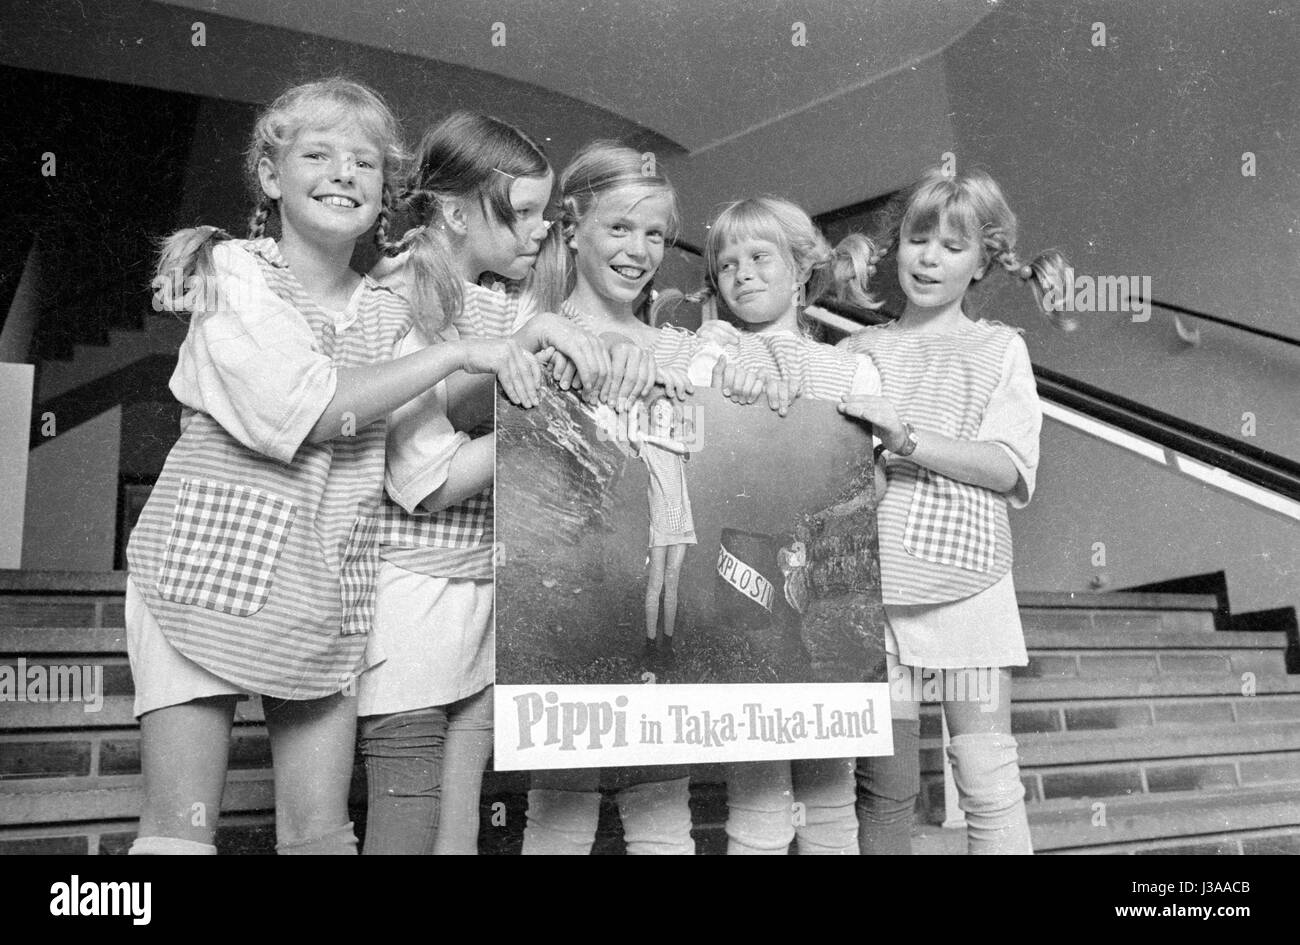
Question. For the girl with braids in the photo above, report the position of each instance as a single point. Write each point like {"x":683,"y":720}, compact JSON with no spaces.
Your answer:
{"x":478,"y":192}
{"x":619,"y":213}
{"x":959,"y":419}
{"x":252,"y":566}
{"x":764,"y":258}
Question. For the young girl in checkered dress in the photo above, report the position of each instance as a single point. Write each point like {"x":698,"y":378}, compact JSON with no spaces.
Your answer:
{"x":764,"y":258}
{"x":252,"y":566}
{"x":959,"y":419}
{"x":479,"y":192}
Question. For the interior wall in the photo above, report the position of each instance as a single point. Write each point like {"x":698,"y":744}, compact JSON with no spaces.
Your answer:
{"x":1128,"y":158}
{"x":72,"y":485}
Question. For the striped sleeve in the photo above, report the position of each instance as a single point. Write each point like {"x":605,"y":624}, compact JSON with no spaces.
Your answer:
{"x":1013,"y":419}
{"x":252,"y":365}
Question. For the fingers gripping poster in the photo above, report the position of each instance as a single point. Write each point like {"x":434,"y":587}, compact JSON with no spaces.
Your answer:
{"x":685,"y":582}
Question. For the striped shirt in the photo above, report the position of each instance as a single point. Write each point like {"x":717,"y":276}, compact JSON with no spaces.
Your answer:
{"x":257,"y":550}
{"x":455,"y":542}
{"x":673,"y":347}
{"x":941,"y":539}
{"x":812,"y":369}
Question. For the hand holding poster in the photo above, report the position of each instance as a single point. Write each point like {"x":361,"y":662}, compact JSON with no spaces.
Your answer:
{"x":770,"y":580}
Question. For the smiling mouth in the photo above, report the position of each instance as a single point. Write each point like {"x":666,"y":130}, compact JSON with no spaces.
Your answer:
{"x":924,"y":280}
{"x":338,"y":200}
{"x":748,"y":293}
{"x":631,"y":273}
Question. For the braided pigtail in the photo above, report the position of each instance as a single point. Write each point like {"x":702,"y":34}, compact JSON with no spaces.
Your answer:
{"x":1046,"y":275}
{"x":257,"y":220}
{"x":185,"y":280}
{"x":851,"y":267}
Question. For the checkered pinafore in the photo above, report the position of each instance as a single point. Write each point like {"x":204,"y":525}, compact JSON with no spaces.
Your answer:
{"x":455,"y":542}
{"x":261,"y":571}
{"x":940,"y":539}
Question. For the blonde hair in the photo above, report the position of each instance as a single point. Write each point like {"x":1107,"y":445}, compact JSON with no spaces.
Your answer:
{"x":841,"y":273}
{"x":185,"y":258}
{"x":600,"y":168}
{"x":973,"y":204}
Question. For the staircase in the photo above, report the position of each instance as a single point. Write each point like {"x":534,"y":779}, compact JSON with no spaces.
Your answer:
{"x":1143,"y":730}
{"x":1135,"y":736}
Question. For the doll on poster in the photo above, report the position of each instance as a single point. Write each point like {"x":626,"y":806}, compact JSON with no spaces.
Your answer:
{"x":672,"y":528}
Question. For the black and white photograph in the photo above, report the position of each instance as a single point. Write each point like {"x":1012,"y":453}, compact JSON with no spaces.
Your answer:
{"x":652,"y":427}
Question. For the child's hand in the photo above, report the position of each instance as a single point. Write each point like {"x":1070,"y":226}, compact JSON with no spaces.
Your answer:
{"x":631,"y":375}
{"x":880,"y":413}
{"x":779,"y":394}
{"x":517,"y":370}
{"x":738,"y":384}
{"x":716,"y":331}
{"x":590,"y":360}
{"x":676,"y":383}
{"x":563,"y":371}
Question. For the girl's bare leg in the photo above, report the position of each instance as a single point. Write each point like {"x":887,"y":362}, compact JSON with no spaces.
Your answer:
{"x":672,"y":574}
{"x":312,"y":743}
{"x":653,"y":588}
{"x":183,"y":752}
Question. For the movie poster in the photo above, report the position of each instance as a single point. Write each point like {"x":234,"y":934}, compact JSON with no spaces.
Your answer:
{"x":764,"y":524}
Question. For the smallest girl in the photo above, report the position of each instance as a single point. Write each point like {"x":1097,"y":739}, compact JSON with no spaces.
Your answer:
{"x":765,"y":259}
{"x":672,"y":528}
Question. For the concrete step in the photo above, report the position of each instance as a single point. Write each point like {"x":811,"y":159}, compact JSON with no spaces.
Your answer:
{"x":1047,"y":640}
{"x":1167,"y":819}
{"x":1142,"y":744}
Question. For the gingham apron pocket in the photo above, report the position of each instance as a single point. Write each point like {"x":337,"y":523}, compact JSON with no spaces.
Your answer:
{"x":950,"y":523}
{"x":223,"y":546}
{"x":358,"y":574}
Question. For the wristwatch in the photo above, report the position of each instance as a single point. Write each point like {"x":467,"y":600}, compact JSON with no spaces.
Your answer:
{"x":909,"y":441}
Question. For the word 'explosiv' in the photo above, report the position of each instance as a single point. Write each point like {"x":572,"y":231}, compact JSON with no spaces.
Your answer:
{"x":1105,"y":294}
{"x":564,"y":723}
{"x":60,"y":683}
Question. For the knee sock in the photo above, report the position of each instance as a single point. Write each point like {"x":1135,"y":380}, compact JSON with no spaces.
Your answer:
{"x":760,"y":808}
{"x":657,"y":818}
{"x":825,"y":823}
{"x":403,"y":754}
{"x":340,"y":841}
{"x":887,"y":791}
{"x":561,"y":822}
{"x":987,"y":773}
{"x":170,"y":846}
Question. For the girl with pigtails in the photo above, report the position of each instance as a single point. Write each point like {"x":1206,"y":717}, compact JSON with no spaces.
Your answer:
{"x":252,"y":565}
{"x":959,"y":421}
{"x":479,"y":193}
{"x":765,"y":259}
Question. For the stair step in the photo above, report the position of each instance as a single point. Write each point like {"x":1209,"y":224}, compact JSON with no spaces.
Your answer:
{"x":1165,"y":818}
{"x":1095,"y":663}
{"x":1062,"y":639}
{"x":1113,"y":600}
{"x":61,"y":800}
{"x":1144,"y":744}
{"x":62,"y":640}
{"x":116,"y":712}
{"x":1139,"y":687}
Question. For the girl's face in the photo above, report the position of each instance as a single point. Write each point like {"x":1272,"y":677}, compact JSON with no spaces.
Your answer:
{"x":619,"y":244}
{"x":936,"y":268}
{"x":661,"y":417}
{"x":509,"y":250}
{"x":329,"y":183}
{"x":759,"y":283}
